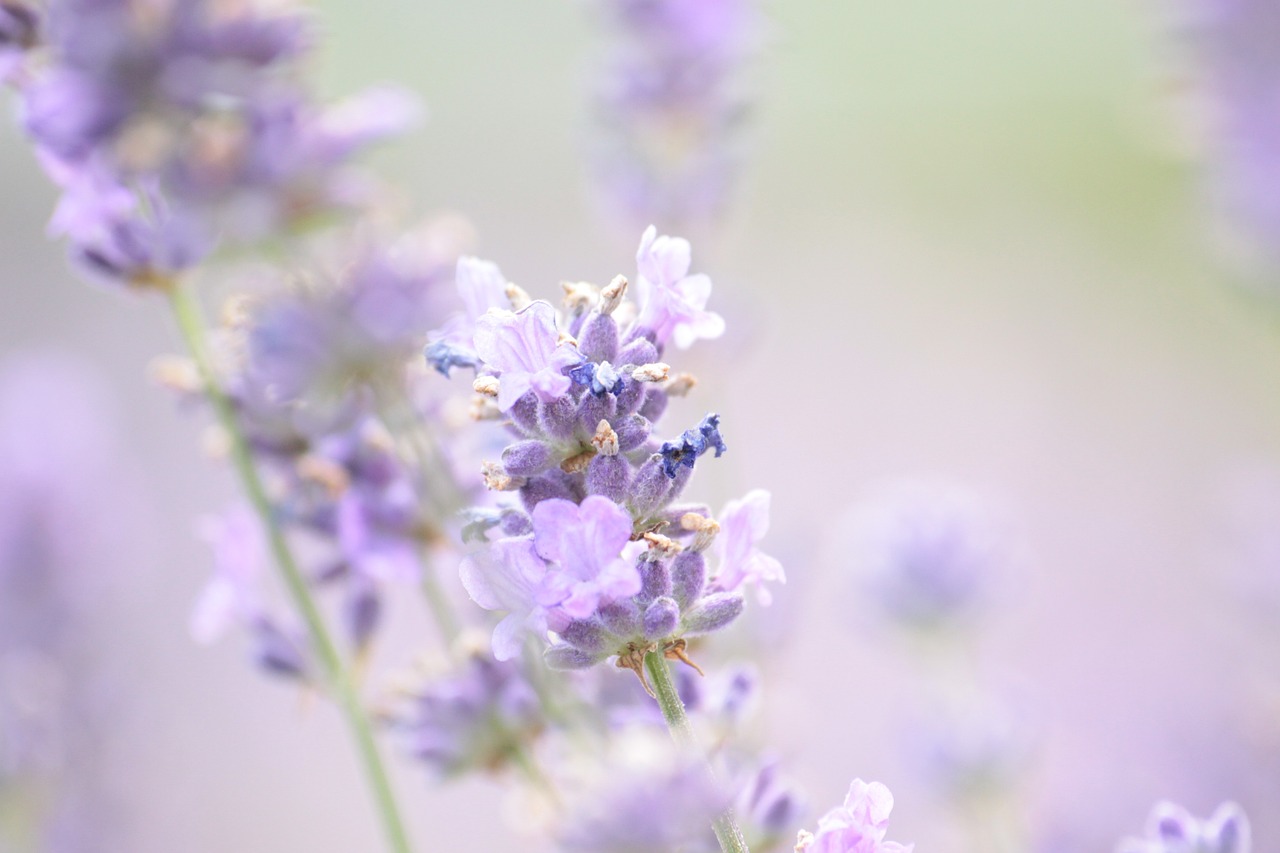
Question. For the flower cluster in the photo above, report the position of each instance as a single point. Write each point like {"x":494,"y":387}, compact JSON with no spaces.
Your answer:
{"x":669,"y":100}
{"x":170,"y":127}
{"x":477,"y":716}
{"x":318,"y":380}
{"x":1172,"y":829}
{"x":858,"y":826}
{"x":602,"y":555}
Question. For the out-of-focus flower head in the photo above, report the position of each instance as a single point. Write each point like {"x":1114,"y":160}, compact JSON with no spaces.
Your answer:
{"x":473,"y":718}
{"x":640,"y":798}
{"x":1236,"y":78}
{"x":173,"y":127}
{"x":1172,"y":829}
{"x":670,"y":98}
{"x":858,"y":826}
{"x":73,"y":526}
{"x":924,"y":552}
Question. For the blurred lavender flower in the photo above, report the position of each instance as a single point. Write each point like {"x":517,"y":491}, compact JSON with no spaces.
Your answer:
{"x":320,"y":343}
{"x":975,"y":747}
{"x":643,"y":805}
{"x":925,"y":552}
{"x":186,"y":120}
{"x":19,"y":32}
{"x":70,"y":530}
{"x":858,"y":826}
{"x":669,"y":100}
{"x":474,"y":718}
{"x":235,"y":595}
{"x":603,"y":558}
{"x":1172,"y":829}
{"x":314,"y":377}
{"x":1239,"y":76}
{"x":768,"y":806}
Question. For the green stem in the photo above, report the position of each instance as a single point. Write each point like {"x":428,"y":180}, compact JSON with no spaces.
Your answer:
{"x":191,"y":322}
{"x":664,"y":688}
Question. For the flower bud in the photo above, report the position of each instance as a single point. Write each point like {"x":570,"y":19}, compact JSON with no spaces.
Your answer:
{"x":526,"y":458}
{"x":661,"y":618}
{"x":712,"y":613}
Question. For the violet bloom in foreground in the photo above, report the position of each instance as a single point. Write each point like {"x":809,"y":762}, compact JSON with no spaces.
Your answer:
{"x":858,"y":826}
{"x":601,"y":554}
{"x":1172,"y":829}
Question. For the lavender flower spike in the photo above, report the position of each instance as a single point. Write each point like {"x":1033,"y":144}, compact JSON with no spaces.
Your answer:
{"x":524,"y":349}
{"x":1172,"y":829}
{"x":743,"y":523}
{"x":858,"y":826}
{"x":672,"y":302}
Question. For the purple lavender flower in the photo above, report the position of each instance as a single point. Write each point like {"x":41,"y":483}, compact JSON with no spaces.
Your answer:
{"x":858,"y":826}
{"x":509,"y":576}
{"x":672,"y":302}
{"x":767,"y":805}
{"x":1236,"y":40}
{"x":474,"y":718}
{"x":525,"y":353}
{"x":587,"y":543}
{"x":326,"y":342}
{"x":1172,"y":829}
{"x":235,"y":595}
{"x":19,"y":31}
{"x":743,"y":523}
{"x":647,"y":808}
{"x":616,"y":568}
{"x":193,"y":108}
{"x":923,"y":551}
{"x":72,"y":528}
{"x":482,"y":286}
{"x":670,"y":99}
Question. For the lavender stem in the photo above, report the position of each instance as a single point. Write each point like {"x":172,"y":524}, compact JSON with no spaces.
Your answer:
{"x":187,"y":311}
{"x":664,"y":688}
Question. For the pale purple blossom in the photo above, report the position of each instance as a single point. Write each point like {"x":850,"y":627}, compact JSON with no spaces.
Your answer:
{"x":673,"y":303}
{"x":508,"y":575}
{"x":525,"y":351}
{"x":481,"y":286}
{"x":743,"y":523}
{"x":233,"y":596}
{"x":857,"y":826}
{"x":587,"y":542}
{"x":1173,"y":829}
